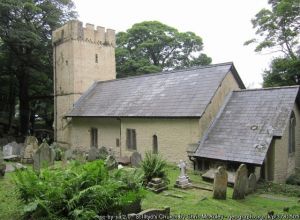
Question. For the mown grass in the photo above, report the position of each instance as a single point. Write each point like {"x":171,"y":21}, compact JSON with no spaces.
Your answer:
{"x":197,"y":201}
{"x":194,"y":201}
{"x":10,"y":206}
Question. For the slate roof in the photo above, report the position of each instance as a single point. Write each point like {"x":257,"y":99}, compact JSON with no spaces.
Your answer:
{"x":183,"y":93}
{"x":244,"y":127}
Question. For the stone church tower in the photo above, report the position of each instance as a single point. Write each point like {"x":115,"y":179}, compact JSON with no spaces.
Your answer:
{"x":81,"y":56}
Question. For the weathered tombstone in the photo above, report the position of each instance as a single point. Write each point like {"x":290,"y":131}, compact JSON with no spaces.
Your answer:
{"x":251,"y":183}
{"x":2,"y":165}
{"x":31,"y":146}
{"x":240,"y":183}
{"x":135,"y":159}
{"x":111,"y":162}
{"x":157,"y":185}
{"x":7,"y":150}
{"x":151,"y":214}
{"x":183,"y":180}
{"x":93,"y":154}
{"x":43,"y":157}
{"x":220,"y":183}
{"x":68,"y":155}
{"x":103,"y":153}
{"x":80,"y":156}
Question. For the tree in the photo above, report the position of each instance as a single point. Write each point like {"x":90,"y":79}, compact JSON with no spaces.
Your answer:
{"x":279,"y":31}
{"x":25,"y":30}
{"x":151,"y":46}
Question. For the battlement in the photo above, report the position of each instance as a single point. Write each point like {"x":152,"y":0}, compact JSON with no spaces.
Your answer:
{"x":74,"y":30}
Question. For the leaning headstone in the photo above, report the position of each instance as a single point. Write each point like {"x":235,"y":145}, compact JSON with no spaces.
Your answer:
{"x":251,"y":183}
{"x":240,"y":183}
{"x":31,"y":146}
{"x":43,"y":157}
{"x":68,"y":155}
{"x":93,"y":154}
{"x":183,"y":180}
{"x":220,"y":183}
{"x":103,"y":153}
{"x":111,"y":162}
{"x":135,"y":159}
{"x":2,"y":165}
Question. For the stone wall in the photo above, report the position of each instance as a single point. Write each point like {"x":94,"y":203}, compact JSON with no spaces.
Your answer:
{"x":229,"y":84}
{"x":286,"y":163}
{"x":82,"y":55}
{"x":173,"y":136}
{"x":108,"y":132}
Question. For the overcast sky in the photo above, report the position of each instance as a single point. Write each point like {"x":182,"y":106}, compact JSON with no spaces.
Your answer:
{"x":224,"y":26}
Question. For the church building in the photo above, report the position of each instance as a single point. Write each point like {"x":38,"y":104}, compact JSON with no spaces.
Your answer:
{"x":203,"y":114}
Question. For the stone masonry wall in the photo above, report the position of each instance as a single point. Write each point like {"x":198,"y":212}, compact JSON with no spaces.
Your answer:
{"x":82,"y":55}
{"x":286,"y":163}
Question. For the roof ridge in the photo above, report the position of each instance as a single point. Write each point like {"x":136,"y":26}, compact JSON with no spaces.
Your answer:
{"x":269,"y":88}
{"x":168,"y":72}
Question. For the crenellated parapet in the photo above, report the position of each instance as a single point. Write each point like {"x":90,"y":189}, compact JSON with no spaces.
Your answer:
{"x":74,"y":30}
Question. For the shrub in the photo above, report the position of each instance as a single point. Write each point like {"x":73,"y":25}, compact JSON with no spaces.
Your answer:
{"x":154,"y":166}
{"x":294,"y":179}
{"x":83,"y":191}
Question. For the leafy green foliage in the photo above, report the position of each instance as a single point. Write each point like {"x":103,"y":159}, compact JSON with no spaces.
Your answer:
{"x":283,"y":72}
{"x":279,"y":31}
{"x":79,"y":192}
{"x":154,"y":166}
{"x":151,"y":46}
{"x":25,"y":33}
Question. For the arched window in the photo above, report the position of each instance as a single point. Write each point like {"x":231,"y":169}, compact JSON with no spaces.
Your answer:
{"x":155,"y":144}
{"x":292,"y":136}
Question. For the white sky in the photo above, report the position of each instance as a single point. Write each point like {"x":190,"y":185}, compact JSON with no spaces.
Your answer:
{"x":224,"y":26}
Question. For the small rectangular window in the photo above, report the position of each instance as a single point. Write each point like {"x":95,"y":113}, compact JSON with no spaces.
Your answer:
{"x":131,"y":139}
{"x":94,"y":137}
{"x":117,"y":142}
{"x":96,"y":58}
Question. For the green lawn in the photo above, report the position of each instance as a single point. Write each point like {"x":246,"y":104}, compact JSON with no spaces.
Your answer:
{"x":194,"y":201}
{"x":10,"y":206}
{"x":197,"y":201}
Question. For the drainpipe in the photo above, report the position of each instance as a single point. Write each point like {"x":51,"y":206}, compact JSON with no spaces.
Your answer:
{"x":193,"y":159}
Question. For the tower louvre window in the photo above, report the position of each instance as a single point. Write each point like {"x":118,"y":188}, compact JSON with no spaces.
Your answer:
{"x":96,"y":58}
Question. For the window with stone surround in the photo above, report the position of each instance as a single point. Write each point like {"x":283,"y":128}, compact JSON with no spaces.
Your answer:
{"x":131,"y":139}
{"x":292,"y":134}
{"x":94,"y":137}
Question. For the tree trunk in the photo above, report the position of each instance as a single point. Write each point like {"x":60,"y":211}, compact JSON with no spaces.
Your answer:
{"x":24,"y":102}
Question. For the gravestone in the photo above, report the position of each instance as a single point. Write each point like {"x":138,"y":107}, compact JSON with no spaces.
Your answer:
{"x":240,"y":183}
{"x":220,"y":183}
{"x":183,"y":180}
{"x":251,"y":183}
{"x":31,"y":146}
{"x":43,"y":157}
{"x":135,"y":159}
{"x":93,"y":154}
{"x":8,"y":150}
{"x":2,"y":165}
{"x":157,"y":185}
{"x":103,"y":153}
{"x":80,"y":156}
{"x":111,"y":162}
{"x":151,"y":214}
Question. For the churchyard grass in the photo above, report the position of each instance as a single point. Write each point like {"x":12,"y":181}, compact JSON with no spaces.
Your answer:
{"x":10,"y":206}
{"x":185,"y":202}
{"x":197,"y":201}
